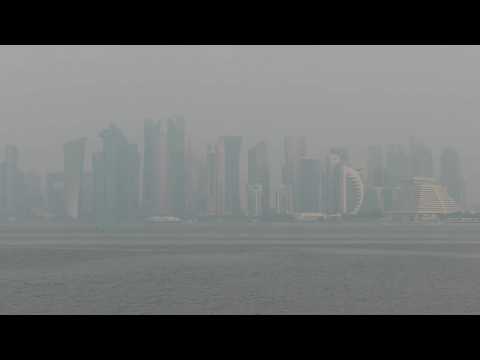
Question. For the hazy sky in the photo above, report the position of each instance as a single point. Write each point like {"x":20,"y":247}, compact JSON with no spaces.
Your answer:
{"x":336,"y":95}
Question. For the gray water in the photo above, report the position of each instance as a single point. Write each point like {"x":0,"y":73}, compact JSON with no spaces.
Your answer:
{"x":238,"y":269}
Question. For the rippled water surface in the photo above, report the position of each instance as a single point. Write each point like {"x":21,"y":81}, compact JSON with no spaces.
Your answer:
{"x":236,"y":269}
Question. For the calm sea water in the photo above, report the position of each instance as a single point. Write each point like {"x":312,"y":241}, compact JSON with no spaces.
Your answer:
{"x":233,"y":269}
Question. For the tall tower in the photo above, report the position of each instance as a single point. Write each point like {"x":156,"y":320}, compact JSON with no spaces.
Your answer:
{"x":116,"y":178}
{"x":73,"y":167}
{"x":421,"y":159}
{"x":397,"y":167}
{"x":155,"y":191}
{"x":451,"y":176}
{"x":375,"y":167}
{"x":232,"y":146}
{"x":295,"y":149}
{"x":332,"y":201}
{"x":310,"y":184}
{"x":259,"y":173}
{"x":176,"y":166}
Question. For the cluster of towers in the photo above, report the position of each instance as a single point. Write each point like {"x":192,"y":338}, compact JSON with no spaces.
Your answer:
{"x":402,"y":168}
{"x":173,"y":181}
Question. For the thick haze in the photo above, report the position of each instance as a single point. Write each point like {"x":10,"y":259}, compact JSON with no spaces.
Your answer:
{"x":336,"y":95}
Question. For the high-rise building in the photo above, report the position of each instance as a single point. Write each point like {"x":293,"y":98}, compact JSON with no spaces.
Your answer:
{"x":212,"y":178}
{"x":87,"y":197}
{"x":255,"y":200}
{"x":33,"y":192}
{"x":259,"y":172}
{"x":295,"y":149}
{"x":421,"y":159}
{"x":281,"y":200}
{"x":451,"y":176}
{"x":232,"y":146}
{"x":352,"y":191}
{"x":397,"y":167}
{"x":55,"y":184}
{"x":332,"y":181}
{"x":116,"y":179}
{"x":73,"y":168}
{"x":176,"y":148}
{"x":223,"y":177}
{"x":310,"y":186}
{"x":344,"y":186}
{"x":375,"y":167}
{"x":155,"y":176}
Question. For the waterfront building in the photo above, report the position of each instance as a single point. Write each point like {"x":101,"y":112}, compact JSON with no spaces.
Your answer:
{"x":421,"y":159}
{"x":116,"y":179}
{"x":451,"y":176}
{"x":73,"y":168}
{"x":55,"y":189}
{"x":176,"y":164}
{"x":281,"y":205}
{"x":255,"y":200}
{"x":397,"y":167}
{"x":259,"y":172}
{"x":420,"y":196}
{"x":155,"y":176}
{"x":232,"y":146}
{"x":310,"y":186}
{"x":295,"y":148}
{"x":375,"y":167}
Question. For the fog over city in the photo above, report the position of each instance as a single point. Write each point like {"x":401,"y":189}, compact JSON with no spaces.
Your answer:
{"x":239,"y":179}
{"x":351,"y":96}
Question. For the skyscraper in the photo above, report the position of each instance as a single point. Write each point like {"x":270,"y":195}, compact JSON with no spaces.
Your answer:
{"x":211,"y":181}
{"x":344,"y":187}
{"x":396,"y":165}
{"x":176,"y":147}
{"x":55,"y":184}
{"x":232,"y":146}
{"x":331,"y":185}
{"x":352,"y":190}
{"x":116,"y":174}
{"x":451,"y":176}
{"x":281,"y":200}
{"x":73,"y":167}
{"x":259,"y":172}
{"x":310,"y":185}
{"x":295,"y":149}
{"x":255,"y":199}
{"x":421,"y":159}
{"x":155,"y":180}
{"x":375,"y":167}
{"x":87,"y":197}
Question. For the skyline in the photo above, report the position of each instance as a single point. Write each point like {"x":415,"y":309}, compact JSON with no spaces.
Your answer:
{"x":210,"y":184}
{"x":351,"y":96}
